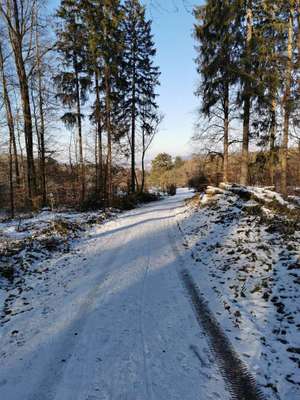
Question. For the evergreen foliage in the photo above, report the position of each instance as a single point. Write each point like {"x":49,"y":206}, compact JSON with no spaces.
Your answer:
{"x":248,"y":52}
{"x":141,"y":74}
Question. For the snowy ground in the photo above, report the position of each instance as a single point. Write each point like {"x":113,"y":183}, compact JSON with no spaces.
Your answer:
{"x":247,"y":263}
{"x":28,"y":240}
{"x":110,"y":319}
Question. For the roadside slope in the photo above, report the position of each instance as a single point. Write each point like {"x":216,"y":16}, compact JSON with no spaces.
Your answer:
{"x":246,"y":263}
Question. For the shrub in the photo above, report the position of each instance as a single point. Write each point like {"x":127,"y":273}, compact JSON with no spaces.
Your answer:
{"x":132,"y":200}
{"x":92,"y":203}
{"x":198,"y":182}
{"x":171,"y":190}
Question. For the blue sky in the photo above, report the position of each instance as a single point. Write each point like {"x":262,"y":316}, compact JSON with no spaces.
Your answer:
{"x":173,"y":29}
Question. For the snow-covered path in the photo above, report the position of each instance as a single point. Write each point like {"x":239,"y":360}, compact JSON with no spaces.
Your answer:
{"x":112,"y":321}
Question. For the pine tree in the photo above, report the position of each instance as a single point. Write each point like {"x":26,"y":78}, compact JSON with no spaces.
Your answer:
{"x":287,"y":97}
{"x":141,"y":73}
{"x":93,"y":14}
{"x":269,"y":37}
{"x":112,"y":52}
{"x":246,"y":75}
{"x":73,"y":79}
{"x":216,"y":33}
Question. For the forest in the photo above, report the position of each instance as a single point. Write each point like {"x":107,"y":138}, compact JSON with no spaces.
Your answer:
{"x":248,"y":59}
{"x":90,"y":65}
{"x":79,"y":100}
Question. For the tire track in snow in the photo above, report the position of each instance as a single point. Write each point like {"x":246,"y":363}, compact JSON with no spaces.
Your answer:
{"x":240,"y":382}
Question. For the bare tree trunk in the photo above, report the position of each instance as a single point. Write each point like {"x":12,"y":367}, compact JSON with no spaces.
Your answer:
{"x":217,"y":171}
{"x":99,"y":175}
{"x":137,"y":188}
{"x":286,"y":103}
{"x":22,"y":173}
{"x":73,"y":172}
{"x":42,"y":119}
{"x":79,"y":127}
{"x":133,"y":113}
{"x":36,"y":124}
{"x":17,"y":25}
{"x":42,"y":143}
{"x":14,"y":144}
{"x":16,"y":160}
{"x":226,"y":135}
{"x":11,"y":129}
{"x":247,"y":101}
{"x":143,"y":163}
{"x":109,"y":168}
{"x":31,"y":176}
{"x":96,"y":163}
{"x":272,"y":142}
{"x":133,"y":116}
{"x":11,"y":179}
{"x":109,"y":138}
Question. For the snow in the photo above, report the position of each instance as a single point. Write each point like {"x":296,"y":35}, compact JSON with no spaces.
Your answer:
{"x":27,"y":241}
{"x":247,"y":266}
{"x":108,"y":317}
{"x":265,"y":194}
{"x":294,"y":199}
{"x":268,"y":195}
{"x":28,"y":226}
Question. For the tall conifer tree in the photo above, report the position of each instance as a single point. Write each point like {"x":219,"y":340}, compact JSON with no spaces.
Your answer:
{"x":73,"y":79}
{"x":141,"y":73}
{"x":216,"y":33}
{"x":287,"y":95}
{"x":93,"y":14}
